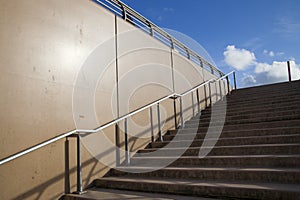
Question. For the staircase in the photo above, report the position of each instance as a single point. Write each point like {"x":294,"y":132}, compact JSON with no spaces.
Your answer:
{"x":256,"y":157}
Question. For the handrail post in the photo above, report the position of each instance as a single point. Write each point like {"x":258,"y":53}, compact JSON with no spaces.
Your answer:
{"x":181,"y":113}
{"x":216,"y":89}
{"x":159,"y":125}
{"x":79,"y":174}
{"x":289,"y":71}
{"x":198,"y":101}
{"x":117,"y":136}
{"x":234,"y":78}
{"x":127,"y":153}
{"x":205,"y":95}
{"x":228,"y":85}
{"x":151,"y":124}
{"x":193,"y":103}
{"x":221,"y":93}
{"x":175,"y":113}
{"x":67,"y":167}
{"x":209,"y":92}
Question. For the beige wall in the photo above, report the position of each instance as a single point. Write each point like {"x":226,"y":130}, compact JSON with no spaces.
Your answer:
{"x":45,"y":46}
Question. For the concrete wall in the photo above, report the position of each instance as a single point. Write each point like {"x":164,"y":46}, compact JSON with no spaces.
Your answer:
{"x":50,"y":53}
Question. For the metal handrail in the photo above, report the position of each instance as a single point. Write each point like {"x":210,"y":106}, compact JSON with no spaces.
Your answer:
{"x":33,"y":148}
{"x":127,"y":13}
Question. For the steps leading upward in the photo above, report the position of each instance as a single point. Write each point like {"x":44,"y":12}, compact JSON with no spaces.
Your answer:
{"x":257,"y":155}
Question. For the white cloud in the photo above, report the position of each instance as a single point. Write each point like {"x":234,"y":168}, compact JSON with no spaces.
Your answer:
{"x":277,"y":71}
{"x":260,"y":73}
{"x":240,"y":59}
{"x":248,"y":79}
{"x":271,"y":53}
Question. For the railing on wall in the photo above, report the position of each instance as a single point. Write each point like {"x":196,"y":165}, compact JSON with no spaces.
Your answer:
{"x":224,"y":85}
{"x":133,"y":17}
{"x":223,"y":82}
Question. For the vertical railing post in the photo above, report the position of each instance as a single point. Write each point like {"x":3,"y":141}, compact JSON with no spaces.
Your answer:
{"x":181,"y":113}
{"x":127,"y":153}
{"x":79,"y":174}
{"x":216,"y":89}
{"x":205,"y":96}
{"x":228,"y":85}
{"x":289,"y":71}
{"x":175,"y":112}
{"x":224,"y":87}
{"x":234,"y":78}
{"x":221,"y":94}
{"x":117,"y":137}
{"x":193,"y":108}
{"x":158,"y":123}
{"x":151,"y":124}
{"x":67,"y":167}
{"x":198,"y":101}
{"x":209,"y":92}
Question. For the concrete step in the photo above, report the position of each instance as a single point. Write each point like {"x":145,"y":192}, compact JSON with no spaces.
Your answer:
{"x":235,"y":100}
{"x":280,"y":175}
{"x":246,"y":111}
{"x":249,"y":115}
{"x":258,"y":149}
{"x":201,"y":133}
{"x":253,"y":106}
{"x":287,"y":161}
{"x":241,"y":121}
{"x":203,"y":188}
{"x":294,"y":85}
{"x":223,"y":141}
{"x":95,"y":193}
{"x":264,"y":93}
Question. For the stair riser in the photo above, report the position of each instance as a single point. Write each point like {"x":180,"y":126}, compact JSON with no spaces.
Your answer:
{"x":242,"y":121}
{"x":235,"y":133}
{"x":204,"y":118}
{"x":260,"y":108}
{"x":247,"y":111}
{"x":230,"y":175}
{"x":195,"y":190}
{"x":246,"y":161}
{"x":238,"y":141}
{"x":239,"y":99}
{"x":228,"y":151}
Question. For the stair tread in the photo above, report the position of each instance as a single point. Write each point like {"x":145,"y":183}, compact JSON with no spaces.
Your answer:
{"x":244,"y":169}
{"x":230,"y":146}
{"x":207,"y":183}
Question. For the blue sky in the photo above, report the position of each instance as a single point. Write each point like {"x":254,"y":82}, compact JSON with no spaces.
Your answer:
{"x":254,"y":37}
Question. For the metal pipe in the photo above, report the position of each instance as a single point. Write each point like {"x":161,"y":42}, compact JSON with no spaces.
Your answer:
{"x":205,"y":95}
{"x":216,"y":91}
{"x":117,"y":136}
{"x":193,"y":108}
{"x":289,"y":71}
{"x":181,"y":113}
{"x":221,"y":94}
{"x":198,"y":101}
{"x":210,"y":98}
{"x":151,"y":124}
{"x":234,"y":78}
{"x":127,"y":153}
{"x":228,"y":85}
{"x":158,"y":123}
{"x":67,"y":167}
{"x":79,"y":175}
{"x":175,"y":113}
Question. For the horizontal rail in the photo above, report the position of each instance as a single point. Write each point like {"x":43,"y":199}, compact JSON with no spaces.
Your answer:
{"x":38,"y":146}
{"x":76,"y":131}
{"x":173,"y":41}
{"x":132,"y":16}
